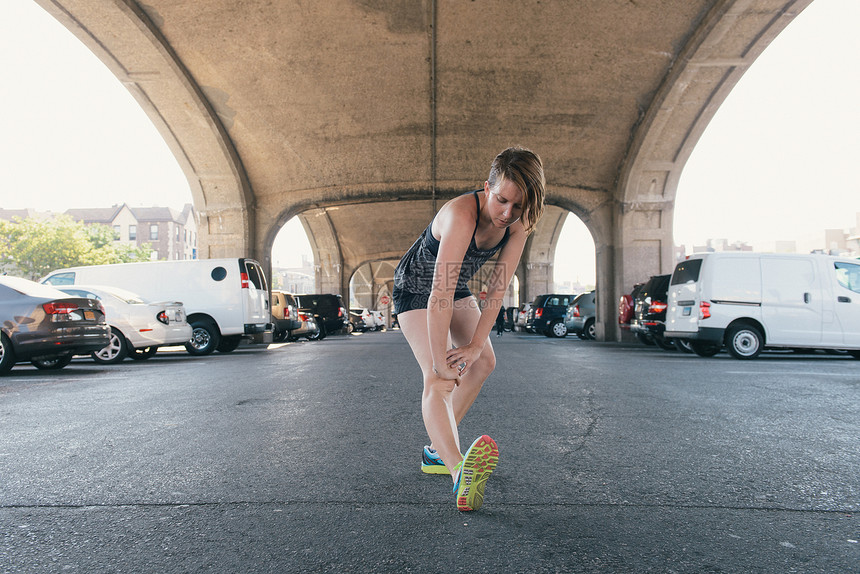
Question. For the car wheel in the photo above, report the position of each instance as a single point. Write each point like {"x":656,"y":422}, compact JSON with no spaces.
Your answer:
{"x":683,"y":345}
{"x":590,"y":330}
{"x":143,"y":353}
{"x":318,"y":336}
{"x":114,"y":352}
{"x":278,"y":336}
{"x":558,"y":329}
{"x":229,"y":344}
{"x":7,"y":355}
{"x":350,"y":328}
{"x":664,"y":343}
{"x":704,"y":349}
{"x":52,"y":364}
{"x":204,"y":338}
{"x":744,"y":342}
{"x":645,"y":339}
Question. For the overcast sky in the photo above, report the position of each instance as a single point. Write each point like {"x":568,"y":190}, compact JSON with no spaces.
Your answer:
{"x":777,"y":162}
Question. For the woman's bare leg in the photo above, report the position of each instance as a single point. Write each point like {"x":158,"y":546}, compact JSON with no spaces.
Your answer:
{"x":463,"y":324}
{"x":437,"y":405}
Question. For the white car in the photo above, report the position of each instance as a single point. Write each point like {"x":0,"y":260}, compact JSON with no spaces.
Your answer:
{"x":380,"y":319}
{"x":364,"y":320}
{"x":137,"y":327}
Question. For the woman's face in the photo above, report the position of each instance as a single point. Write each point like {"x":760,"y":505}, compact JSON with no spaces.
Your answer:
{"x":504,"y":203}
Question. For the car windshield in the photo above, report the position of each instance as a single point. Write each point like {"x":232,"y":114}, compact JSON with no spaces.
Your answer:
{"x":32,"y":288}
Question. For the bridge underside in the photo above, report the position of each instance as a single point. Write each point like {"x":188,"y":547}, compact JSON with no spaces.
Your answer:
{"x":362,"y":116}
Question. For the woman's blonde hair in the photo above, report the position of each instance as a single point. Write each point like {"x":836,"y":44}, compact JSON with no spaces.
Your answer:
{"x":524,"y":169}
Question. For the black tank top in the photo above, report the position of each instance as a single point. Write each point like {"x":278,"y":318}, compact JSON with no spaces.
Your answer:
{"x":414,"y":273}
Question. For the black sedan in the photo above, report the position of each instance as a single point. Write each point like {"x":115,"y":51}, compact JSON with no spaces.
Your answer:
{"x":45,"y":326}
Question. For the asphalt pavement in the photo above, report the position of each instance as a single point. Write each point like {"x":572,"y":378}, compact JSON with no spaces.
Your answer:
{"x":304,"y":457}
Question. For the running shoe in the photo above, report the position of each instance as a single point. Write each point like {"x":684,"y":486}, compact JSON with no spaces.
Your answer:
{"x":478,"y":465}
{"x":431,"y":463}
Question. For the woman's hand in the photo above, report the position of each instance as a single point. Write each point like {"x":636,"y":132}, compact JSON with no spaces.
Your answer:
{"x":448,"y":373}
{"x":462,"y":358}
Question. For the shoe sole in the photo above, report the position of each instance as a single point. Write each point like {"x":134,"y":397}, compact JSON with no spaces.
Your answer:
{"x":435,"y":469}
{"x":479,"y":463}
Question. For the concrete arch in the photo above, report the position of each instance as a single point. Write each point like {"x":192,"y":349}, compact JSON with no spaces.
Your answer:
{"x":370,"y":280}
{"x":726,"y":43}
{"x":131,"y":45}
{"x":265,"y":119}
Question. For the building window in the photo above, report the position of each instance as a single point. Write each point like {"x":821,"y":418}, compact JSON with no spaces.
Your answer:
{"x":132,"y":232}
{"x":177,"y":233}
{"x":153,"y":232}
{"x":116,"y":233}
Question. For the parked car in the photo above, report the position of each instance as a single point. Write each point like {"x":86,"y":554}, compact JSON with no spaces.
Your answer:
{"x":752,"y":301}
{"x":581,"y":315}
{"x":380,"y":320}
{"x":547,"y":315}
{"x":626,"y":307}
{"x":308,"y":329}
{"x":227,"y":300}
{"x":361,"y":320}
{"x":523,"y":317}
{"x":45,"y":326}
{"x":137,"y":328}
{"x":328,"y":311}
{"x":285,"y":315}
{"x":649,"y":312}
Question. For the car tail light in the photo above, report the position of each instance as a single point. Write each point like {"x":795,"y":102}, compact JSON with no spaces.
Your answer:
{"x":163,"y":318}
{"x":59,"y":307}
{"x":538,"y":312}
{"x":658,"y":307}
{"x":576,"y":311}
{"x":704,"y":310}
{"x":340,"y":313}
{"x":246,"y":283}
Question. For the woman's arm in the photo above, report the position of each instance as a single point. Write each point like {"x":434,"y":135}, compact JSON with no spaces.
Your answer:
{"x":503,"y":271}
{"x":454,"y":223}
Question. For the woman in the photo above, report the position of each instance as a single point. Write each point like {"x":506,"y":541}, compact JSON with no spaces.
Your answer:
{"x":441,"y":319}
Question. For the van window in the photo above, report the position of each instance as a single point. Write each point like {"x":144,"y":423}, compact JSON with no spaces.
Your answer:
{"x":219,"y":273}
{"x":848,"y":275}
{"x":254,"y":275}
{"x":61,"y":279}
{"x":687,"y":272}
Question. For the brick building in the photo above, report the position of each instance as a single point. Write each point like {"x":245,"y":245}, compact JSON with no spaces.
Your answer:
{"x":171,"y":234}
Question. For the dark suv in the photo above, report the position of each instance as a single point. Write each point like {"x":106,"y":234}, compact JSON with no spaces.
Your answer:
{"x":649,"y":312}
{"x":328,"y":311}
{"x":546,"y":316}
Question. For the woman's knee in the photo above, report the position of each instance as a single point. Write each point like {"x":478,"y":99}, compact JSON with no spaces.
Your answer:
{"x":435,"y":385}
{"x":486,"y":363}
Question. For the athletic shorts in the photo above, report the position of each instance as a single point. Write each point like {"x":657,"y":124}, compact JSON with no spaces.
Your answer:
{"x":406,"y":301}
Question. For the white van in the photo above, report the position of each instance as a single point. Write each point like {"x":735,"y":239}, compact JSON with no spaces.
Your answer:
{"x":225,"y":300}
{"x":749,"y":301}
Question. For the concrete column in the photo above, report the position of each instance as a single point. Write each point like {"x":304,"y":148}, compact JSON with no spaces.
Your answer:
{"x":224,"y":233}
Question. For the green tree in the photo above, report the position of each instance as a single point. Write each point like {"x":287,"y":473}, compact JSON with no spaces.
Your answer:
{"x":32,"y":248}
